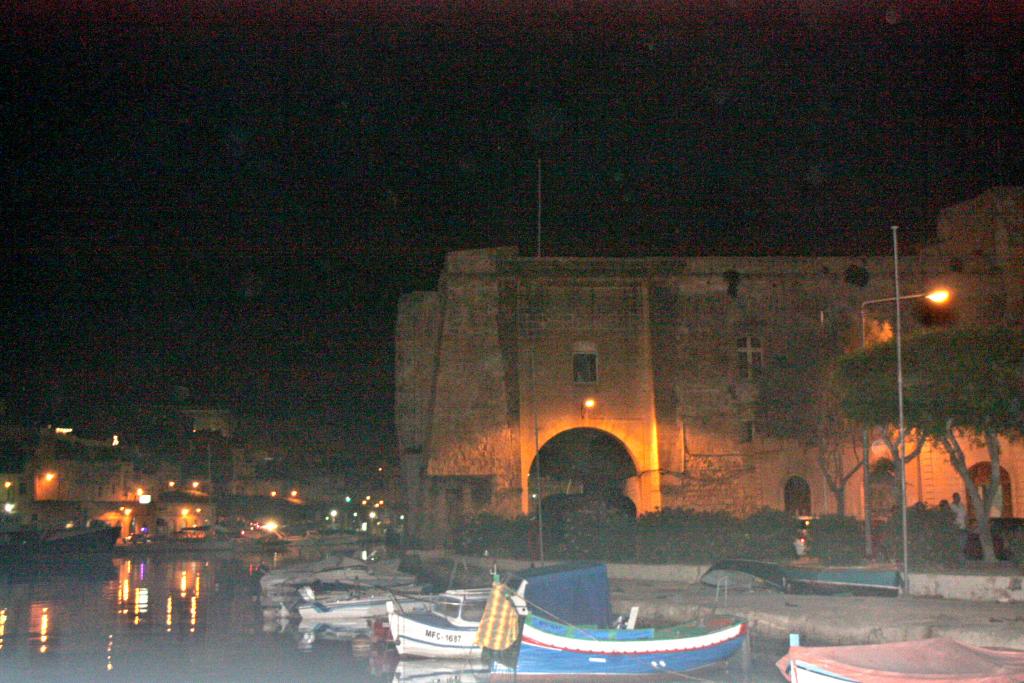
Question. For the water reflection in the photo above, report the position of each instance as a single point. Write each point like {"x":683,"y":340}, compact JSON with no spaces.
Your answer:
{"x":160,"y":618}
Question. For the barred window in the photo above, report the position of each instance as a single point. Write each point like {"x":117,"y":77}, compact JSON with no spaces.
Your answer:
{"x":584,"y":368}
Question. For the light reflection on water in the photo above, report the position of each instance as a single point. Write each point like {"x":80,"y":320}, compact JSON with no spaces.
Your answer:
{"x":158,"y":619}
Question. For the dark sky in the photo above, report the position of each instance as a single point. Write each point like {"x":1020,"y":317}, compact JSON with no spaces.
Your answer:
{"x":232,"y":196}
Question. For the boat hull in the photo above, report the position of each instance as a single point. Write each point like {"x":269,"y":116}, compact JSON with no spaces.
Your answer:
{"x":543,"y":651}
{"x":431,"y":635}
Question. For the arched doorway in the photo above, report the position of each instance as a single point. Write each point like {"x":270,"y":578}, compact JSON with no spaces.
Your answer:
{"x":797,"y":497}
{"x":580,"y":476}
{"x":981,"y":475}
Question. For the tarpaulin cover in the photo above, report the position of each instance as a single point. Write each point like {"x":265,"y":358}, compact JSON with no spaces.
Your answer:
{"x":571,"y":593}
{"x":934,"y":659}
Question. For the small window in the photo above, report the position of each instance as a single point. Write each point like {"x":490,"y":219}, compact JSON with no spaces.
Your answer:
{"x":584,"y":368}
{"x":748,"y":430}
{"x":750,"y":357}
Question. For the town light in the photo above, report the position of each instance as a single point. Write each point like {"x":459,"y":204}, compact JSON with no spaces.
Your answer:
{"x":294,"y":493}
{"x":50,"y":476}
{"x":270,"y":525}
{"x":589,"y":403}
{"x":334,"y":514}
{"x":939,"y":296}
{"x":7,"y":484}
{"x":195,"y":484}
{"x":139,"y":492}
{"x":171,"y":484}
{"x":184,"y":512}
{"x":8,"y":508}
{"x":273,"y":494}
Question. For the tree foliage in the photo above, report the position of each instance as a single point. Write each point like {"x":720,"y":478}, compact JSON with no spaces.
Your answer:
{"x":956,"y":383}
{"x":974,"y":377}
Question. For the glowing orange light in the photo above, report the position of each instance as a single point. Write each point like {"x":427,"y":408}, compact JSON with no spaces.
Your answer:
{"x":294,"y":493}
{"x":184,"y":512}
{"x":139,"y":491}
{"x":50,"y":476}
{"x":273,"y":494}
{"x":939,"y":296}
{"x":195,"y":484}
{"x":170,"y":484}
{"x":589,"y":403}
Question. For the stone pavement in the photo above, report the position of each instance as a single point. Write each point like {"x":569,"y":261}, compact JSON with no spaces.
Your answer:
{"x":833,"y":620}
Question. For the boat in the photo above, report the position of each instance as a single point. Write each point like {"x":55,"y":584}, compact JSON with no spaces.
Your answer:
{"x":334,"y":570}
{"x":355,"y":605}
{"x":745,"y":575}
{"x":553,"y":644}
{"x":61,"y":543}
{"x":863,"y":581}
{"x":447,"y":630}
{"x":936,"y":660}
{"x":739,"y":574}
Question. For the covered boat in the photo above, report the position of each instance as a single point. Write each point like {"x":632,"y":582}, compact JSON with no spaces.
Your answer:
{"x":942,"y":660}
{"x":566,"y":632}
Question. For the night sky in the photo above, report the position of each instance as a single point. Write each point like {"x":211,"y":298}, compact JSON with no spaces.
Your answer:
{"x":231,"y":197}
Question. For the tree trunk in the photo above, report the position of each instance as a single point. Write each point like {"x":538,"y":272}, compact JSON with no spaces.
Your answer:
{"x":841,"y":500}
{"x":979,"y":502}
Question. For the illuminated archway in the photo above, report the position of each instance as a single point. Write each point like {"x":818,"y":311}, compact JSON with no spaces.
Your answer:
{"x":584,"y":462}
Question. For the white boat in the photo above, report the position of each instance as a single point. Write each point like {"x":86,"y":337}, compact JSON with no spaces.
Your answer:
{"x":448,"y":630}
{"x":355,"y":606}
{"x":281,"y":583}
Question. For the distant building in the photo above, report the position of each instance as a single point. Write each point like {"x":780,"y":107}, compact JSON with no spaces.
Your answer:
{"x":642,"y":378}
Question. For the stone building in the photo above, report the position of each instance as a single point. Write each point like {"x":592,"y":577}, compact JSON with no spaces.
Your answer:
{"x":646,"y":377}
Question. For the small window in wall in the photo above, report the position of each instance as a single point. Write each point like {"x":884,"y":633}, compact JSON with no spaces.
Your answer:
{"x":584,"y":368}
{"x":748,"y":430}
{"x":750,"y":356}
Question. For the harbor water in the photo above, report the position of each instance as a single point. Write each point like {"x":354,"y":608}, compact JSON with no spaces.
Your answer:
{"x":186,"y":619}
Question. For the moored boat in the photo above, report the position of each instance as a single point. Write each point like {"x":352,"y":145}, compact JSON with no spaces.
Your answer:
{"x":447,"y":630}
{"x":356,"y":605}
{"x":936,"y":660}
{"x":552,"y":644}
{"x":548,"y":648}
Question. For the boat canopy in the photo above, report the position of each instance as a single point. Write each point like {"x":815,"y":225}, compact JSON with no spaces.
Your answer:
{"x":571,"y":593}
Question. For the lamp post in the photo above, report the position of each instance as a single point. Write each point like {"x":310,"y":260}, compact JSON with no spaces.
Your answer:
{"x":939,"y":296}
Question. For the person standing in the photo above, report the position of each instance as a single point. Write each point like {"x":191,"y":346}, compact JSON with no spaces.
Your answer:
{"x":960,"y":519}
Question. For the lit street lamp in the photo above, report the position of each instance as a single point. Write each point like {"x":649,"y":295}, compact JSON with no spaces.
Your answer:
{"x":938,"y":296}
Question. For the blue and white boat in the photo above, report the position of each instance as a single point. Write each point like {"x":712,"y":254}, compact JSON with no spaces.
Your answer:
{"x":548,"y":648}
{"x":554,"y":601}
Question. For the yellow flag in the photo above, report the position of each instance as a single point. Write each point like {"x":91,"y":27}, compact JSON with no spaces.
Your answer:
{"x":499,"y":627}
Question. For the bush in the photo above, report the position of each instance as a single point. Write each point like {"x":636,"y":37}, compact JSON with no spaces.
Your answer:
{"x":499,"y":536}
{"x":932,"y":537}
{"x":768,"y":535}
{"x":837,"y":540}
{"x":594,"y":534}
{"x":675,"y":535}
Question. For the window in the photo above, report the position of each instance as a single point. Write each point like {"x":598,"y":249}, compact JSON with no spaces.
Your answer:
{"x":584,"y":368}
{"x":748,"y":430}
{"x":750,"y":356}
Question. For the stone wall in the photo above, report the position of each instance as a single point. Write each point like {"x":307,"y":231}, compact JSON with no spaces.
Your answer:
{"x":484,"y":375}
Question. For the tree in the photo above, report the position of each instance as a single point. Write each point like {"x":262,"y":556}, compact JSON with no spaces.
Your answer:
{"x":965,"y":383}
{"x":797,"y":400}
